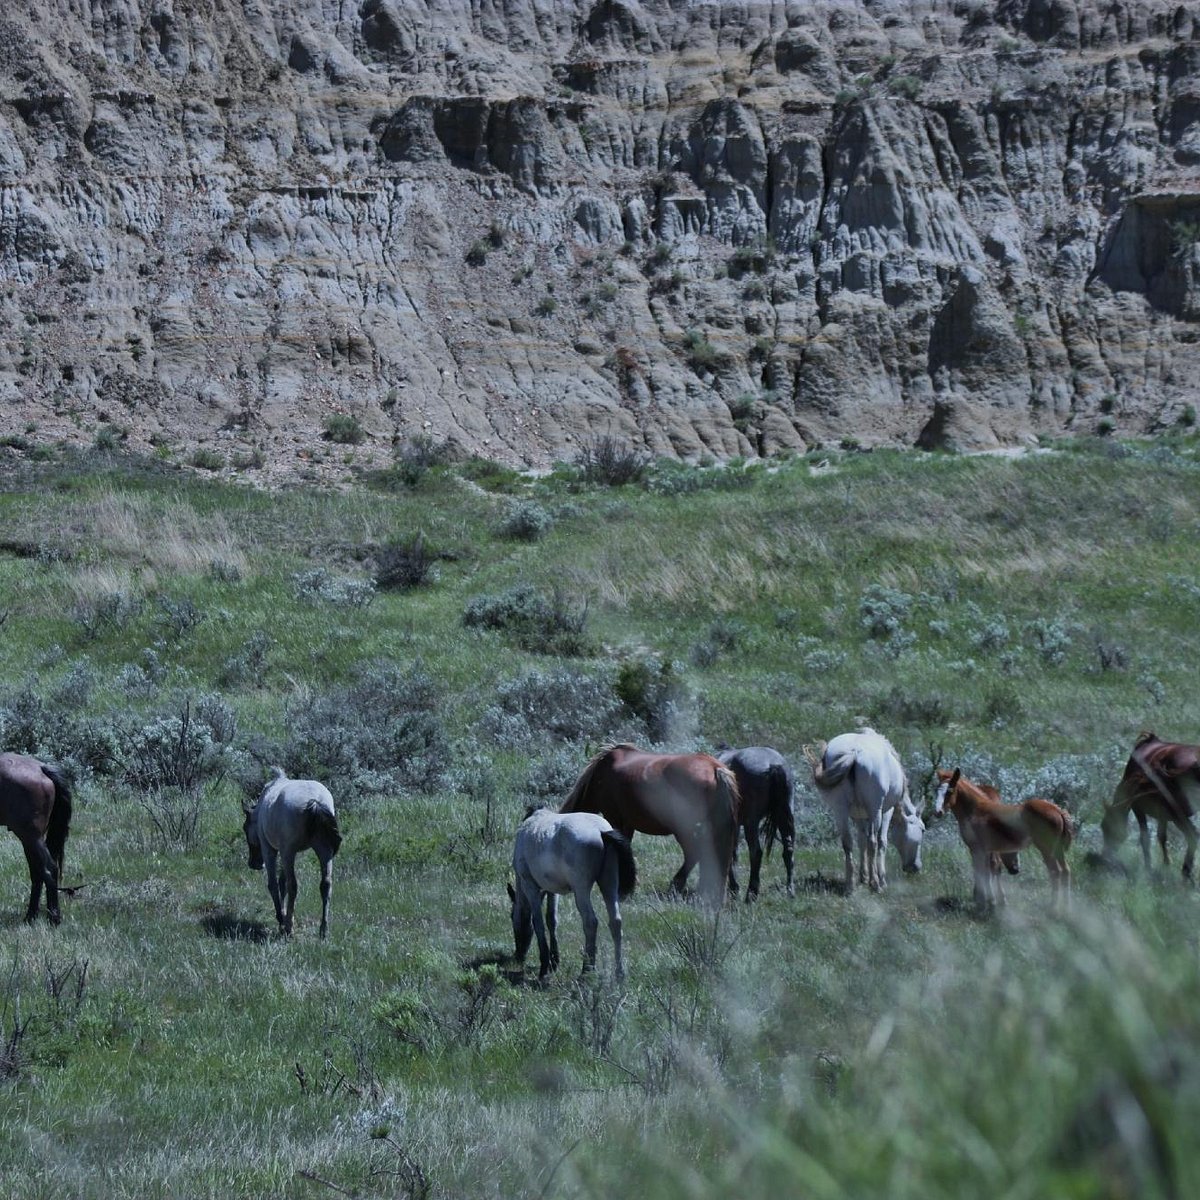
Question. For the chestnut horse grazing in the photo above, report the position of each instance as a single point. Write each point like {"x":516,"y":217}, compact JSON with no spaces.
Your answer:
{"x":1157,"y":779}
{"x":35,"y":803}
{"x":993,"y":831}
{"x":691,"y":797}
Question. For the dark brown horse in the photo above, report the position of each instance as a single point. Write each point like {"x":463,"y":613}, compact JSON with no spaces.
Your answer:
{"x":993,"y":832}
{"x":691,"y":797}
{"x":1157,"y":779}
{"x":35,"y":803}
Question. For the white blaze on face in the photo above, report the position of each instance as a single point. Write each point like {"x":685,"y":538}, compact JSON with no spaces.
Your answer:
{"x":939,"y":801}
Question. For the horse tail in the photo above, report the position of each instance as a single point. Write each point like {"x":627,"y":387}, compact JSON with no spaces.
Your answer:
{"x":575,"y":801}
{"x":323,"y":826}
{"x":729,"y":802}
{"x":779,"y":822}
{"x":618,"y":844}
{"x":59,"y":824}
{"x":1068,"y":830}
{"x":829,"y":777}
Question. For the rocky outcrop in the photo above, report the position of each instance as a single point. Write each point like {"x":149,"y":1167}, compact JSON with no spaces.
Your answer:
{"x":710,"y":228}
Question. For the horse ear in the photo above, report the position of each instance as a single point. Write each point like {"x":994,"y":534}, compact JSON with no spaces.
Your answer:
{"x":955,"y":777}
{"x":511,"y":894}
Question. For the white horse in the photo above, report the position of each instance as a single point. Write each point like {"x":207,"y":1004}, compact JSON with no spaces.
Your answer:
{"x":861,"y":779}
{"x":555,"y":853}
{"x":292,"y":815}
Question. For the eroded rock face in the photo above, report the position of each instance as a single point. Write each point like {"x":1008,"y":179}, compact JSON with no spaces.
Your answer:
{"x":709,"y":228}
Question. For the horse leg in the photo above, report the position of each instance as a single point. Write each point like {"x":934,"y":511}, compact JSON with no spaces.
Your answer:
{"x":37,"y":875}
{"x":289,"y":874}
{"x":326,"y":890}
{"x":539,"y":929}
{"x":50,"y":874}
{"x":552,"y":927}
{"x":1144,"y":839}
{"x":691,"y":857}
{"x":613,"y":904}
{"x":732,"y":882}
{"x":843,"y":823}
{"x":591,"y":923}
{"x":271,"y":866}
{"x":754,"y":846}
{"x":1162,"y":842}
{"x":881,"y":845}
{"x":982,"y":868}
{"x":788,"y":839}
{"x":1189,"y":831}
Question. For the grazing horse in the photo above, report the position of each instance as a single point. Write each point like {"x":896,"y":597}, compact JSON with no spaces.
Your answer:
{"x":692,"y":797}
{"x":861,"y":779}
{"x":993,"y":831}
{"x":1157,"y":779}
{"x":35,"y":803}
{"x":555,"y":853}
{"x":765,"y":784}
{"x":292,"y":815}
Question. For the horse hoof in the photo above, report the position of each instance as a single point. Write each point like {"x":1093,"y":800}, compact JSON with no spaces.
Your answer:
{"x":55,"y":918}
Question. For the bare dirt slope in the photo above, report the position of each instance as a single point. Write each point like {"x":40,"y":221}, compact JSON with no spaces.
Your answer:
{"x":707,"y":227}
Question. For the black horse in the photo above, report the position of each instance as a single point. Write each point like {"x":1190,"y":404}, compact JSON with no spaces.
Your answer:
{"x":766,"y":784}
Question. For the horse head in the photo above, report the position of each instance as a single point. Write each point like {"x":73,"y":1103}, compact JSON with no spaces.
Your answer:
{"x":1114,"y":825}
{"x":946,"y":794}
{"x":907,"y":832}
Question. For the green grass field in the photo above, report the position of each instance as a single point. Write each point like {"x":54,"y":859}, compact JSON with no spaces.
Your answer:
{"x":1023,"y":618}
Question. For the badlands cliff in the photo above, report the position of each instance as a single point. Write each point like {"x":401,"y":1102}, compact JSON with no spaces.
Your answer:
{"x":707,"y":228}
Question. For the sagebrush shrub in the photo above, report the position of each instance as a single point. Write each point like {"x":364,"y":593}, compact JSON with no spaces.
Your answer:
{"x":563,"y":703}
{"x":404,"y":563}
{"x":543,"y":624}
{"x":380,"y":734}
{"x":608,"y":461}
{"x":525,"y":521}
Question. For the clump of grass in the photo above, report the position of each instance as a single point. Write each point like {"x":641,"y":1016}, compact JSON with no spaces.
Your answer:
{"x":552,"y":624}
{"x":345,"y":429}
{"x":611,"y":462}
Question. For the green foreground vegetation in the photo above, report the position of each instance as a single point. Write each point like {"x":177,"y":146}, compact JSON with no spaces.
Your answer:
{"x":168,"y":637}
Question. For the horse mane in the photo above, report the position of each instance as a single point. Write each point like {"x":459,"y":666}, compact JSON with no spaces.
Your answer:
{"x":578,"y":793}
{"x":323,"y":825}
{"x":1145,"y":736}
{"x":277,"y":773}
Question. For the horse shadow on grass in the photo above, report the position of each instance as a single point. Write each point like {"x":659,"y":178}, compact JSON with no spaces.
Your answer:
{"x":231,"y":928}
{"x":820,"y":884}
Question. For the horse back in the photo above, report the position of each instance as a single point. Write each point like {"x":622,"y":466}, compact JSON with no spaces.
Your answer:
{"x":27,"y":792}
{"x":1156,"y":776}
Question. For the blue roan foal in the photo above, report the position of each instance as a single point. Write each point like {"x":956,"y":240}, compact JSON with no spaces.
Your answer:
{"x":292,"y":815}
{"x":556,"y":853}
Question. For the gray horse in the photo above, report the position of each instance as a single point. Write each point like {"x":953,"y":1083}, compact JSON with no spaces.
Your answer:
{"x":555,"y":853}
{"x":765,"y":782}
{"x":292,"y":815}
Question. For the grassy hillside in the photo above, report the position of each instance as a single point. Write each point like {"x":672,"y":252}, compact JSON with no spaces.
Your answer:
{"x":167,"y":637}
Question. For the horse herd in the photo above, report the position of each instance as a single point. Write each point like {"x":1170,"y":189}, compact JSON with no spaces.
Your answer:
{"x":703,"y":801}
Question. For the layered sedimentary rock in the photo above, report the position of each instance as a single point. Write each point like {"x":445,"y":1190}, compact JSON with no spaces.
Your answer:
{"x":725,"y":228}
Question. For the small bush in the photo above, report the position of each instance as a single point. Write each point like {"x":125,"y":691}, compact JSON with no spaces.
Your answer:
{"x":909,"y":87}
{"x":178,"y":751}
{"x":206,"y":459}
{"x":702,"y":355}
{"x":1052,"y":640}
{"x":525,"y":522}
{"x":178,"y":616}
{"x":345,"y":429}
{"x":317,"y":585}
{"x":611,"y":462}
{"x":882,"y":611}
{"x":653,"y":690}
{"x":546,"y":307}
{"x":544,"y":625}
{"x":106,"y":611}
{"x":249,"y":664}
{"x":404,"y":563}
{"x":477,"y":255}
{"x":414,"y":458}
